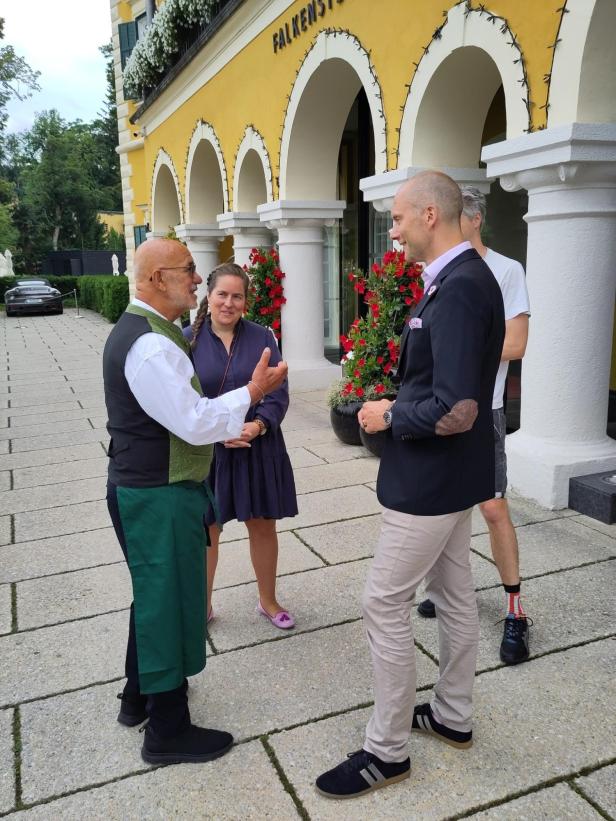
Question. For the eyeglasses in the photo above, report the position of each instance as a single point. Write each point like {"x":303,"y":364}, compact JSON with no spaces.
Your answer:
{"x":191,"y":268}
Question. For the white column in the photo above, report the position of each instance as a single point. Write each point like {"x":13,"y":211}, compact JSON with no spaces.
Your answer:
{"x":300,"y":244}
{"x":203,"y":242}
{"x":381,"y":189}
{"x":248,"y":232}
{"x":570,"y":175}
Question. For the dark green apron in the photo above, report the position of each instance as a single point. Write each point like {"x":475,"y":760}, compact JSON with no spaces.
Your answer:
{"x":165,"y":540}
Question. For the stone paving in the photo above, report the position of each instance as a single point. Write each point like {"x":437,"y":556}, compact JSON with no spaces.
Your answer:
{"x":545,"y":740}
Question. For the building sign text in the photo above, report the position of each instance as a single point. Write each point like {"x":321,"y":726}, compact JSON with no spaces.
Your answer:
{"x":307,"y":16}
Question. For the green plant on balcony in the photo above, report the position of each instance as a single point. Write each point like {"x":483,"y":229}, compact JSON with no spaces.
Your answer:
{"x":157,"y":50}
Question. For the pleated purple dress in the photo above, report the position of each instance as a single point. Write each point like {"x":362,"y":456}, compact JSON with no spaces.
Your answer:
{"x":255,"y":482}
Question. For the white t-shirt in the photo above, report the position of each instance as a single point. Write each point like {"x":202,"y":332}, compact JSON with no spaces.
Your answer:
{"x":510,"y":276}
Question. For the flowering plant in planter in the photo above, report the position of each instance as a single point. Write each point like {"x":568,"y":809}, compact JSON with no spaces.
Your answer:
{"x":372,"y":344}
{"x":266,"y":294}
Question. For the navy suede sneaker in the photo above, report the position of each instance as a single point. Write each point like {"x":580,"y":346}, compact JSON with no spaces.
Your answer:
{"x":427,"y":609}
{"x":424,"y":722}
{"x":361,"y":773}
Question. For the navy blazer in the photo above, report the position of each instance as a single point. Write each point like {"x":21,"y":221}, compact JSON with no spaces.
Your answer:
{"x":449,"y":354}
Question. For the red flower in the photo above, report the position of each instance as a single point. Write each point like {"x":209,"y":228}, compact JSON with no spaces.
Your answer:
{"x":379,"y":388}
{"x":390,"y":256}
{"x":359,"y":392}
{"x":361,"y":362}
{"x":408,"y":300}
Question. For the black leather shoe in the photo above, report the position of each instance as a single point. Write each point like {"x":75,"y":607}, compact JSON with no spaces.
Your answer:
{"x":194,"y":745}
{"x":427,"y":609}
{"x":514,"y":646}
{"x":361,"y":773}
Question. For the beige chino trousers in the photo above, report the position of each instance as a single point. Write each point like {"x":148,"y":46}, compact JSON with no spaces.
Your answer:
{"x":412,"y":548}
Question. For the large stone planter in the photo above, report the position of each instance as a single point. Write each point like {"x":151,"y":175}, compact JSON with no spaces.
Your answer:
{"x":344,"y":422}
{"x":374,"y":442}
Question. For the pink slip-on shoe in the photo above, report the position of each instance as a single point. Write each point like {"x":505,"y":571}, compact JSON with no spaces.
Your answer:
{"x":282,"y":620}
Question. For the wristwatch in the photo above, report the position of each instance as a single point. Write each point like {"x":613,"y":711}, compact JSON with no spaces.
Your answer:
{"x":261,"y":424}
{"x":387,"y":415}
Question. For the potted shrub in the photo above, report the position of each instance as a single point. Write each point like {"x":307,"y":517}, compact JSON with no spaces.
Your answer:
{"x":372,"y":343}
{"x":343,"y":411}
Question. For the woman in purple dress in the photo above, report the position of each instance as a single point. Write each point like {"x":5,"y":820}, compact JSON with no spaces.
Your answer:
{"x":251,"y":476}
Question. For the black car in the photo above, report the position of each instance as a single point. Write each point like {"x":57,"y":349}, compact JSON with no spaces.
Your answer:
{"x":32,"y":296}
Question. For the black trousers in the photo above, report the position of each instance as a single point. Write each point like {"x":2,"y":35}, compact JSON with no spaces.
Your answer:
{"x":168,"y":711}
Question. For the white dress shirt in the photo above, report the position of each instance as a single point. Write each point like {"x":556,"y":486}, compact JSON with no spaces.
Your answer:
{"x":158,"y":373}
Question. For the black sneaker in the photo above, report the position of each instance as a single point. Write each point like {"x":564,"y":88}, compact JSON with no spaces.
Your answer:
{"x":361,"y":773}
{"x":427,"y":609}
{"x":514,"y":646}
{"x":132,"y":710}
{"x":194,"y":745}
{"x":424,"y":722}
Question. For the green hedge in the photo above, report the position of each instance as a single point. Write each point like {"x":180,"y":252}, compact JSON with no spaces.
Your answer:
{"x":64,"y":284}
{"x":106,"y":294}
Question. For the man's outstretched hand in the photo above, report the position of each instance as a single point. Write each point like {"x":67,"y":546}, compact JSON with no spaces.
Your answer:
{"x":265,"y":379}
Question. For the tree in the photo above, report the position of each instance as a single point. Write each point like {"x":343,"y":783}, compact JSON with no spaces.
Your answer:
{"x":17,"y":80}
{"x":56,"y":166}
{"x":105,"y":133}
{"x":57,"y":176}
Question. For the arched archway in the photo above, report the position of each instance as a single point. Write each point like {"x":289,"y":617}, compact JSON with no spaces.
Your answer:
{"x":584,"y":69}
{"x":453,"y":89}
{"x":167,"y":209}
{"x":333,"y":72}
{"x":252,"y":178}
{"x":207,"y":192}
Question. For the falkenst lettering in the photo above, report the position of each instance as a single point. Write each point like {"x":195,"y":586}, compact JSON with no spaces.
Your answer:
{"x":307,"y":16}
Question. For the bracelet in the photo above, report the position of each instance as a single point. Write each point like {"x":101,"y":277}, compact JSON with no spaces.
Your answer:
{"x":261,"y":425}
{"x":252,"y":382}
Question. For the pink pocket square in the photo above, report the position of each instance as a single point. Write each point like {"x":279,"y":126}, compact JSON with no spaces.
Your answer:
{"x":415,"y":322}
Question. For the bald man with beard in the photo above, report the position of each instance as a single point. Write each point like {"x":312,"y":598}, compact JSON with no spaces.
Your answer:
{"x":162,"y":432}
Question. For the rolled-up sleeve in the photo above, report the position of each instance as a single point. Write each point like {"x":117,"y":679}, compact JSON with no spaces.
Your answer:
{"x":159,"y":375}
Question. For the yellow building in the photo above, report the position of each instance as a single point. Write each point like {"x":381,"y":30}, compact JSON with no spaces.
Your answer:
{"x":295,"y":122}
{"x":112,"y":220}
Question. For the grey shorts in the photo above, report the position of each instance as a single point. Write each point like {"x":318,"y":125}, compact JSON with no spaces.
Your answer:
{"x":500,"y":431}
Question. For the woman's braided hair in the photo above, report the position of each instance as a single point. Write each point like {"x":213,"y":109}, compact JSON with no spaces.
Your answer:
{"x":226,"y":269}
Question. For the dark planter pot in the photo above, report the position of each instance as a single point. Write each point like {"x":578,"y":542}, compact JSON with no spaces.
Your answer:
{"x":344,"y":422}
{"x":374,"y":442}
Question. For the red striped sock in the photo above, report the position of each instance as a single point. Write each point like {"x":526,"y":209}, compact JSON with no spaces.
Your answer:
{"x":514,"y":605}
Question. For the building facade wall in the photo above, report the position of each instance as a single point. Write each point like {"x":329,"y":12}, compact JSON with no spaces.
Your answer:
{"x":253,"y":87}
